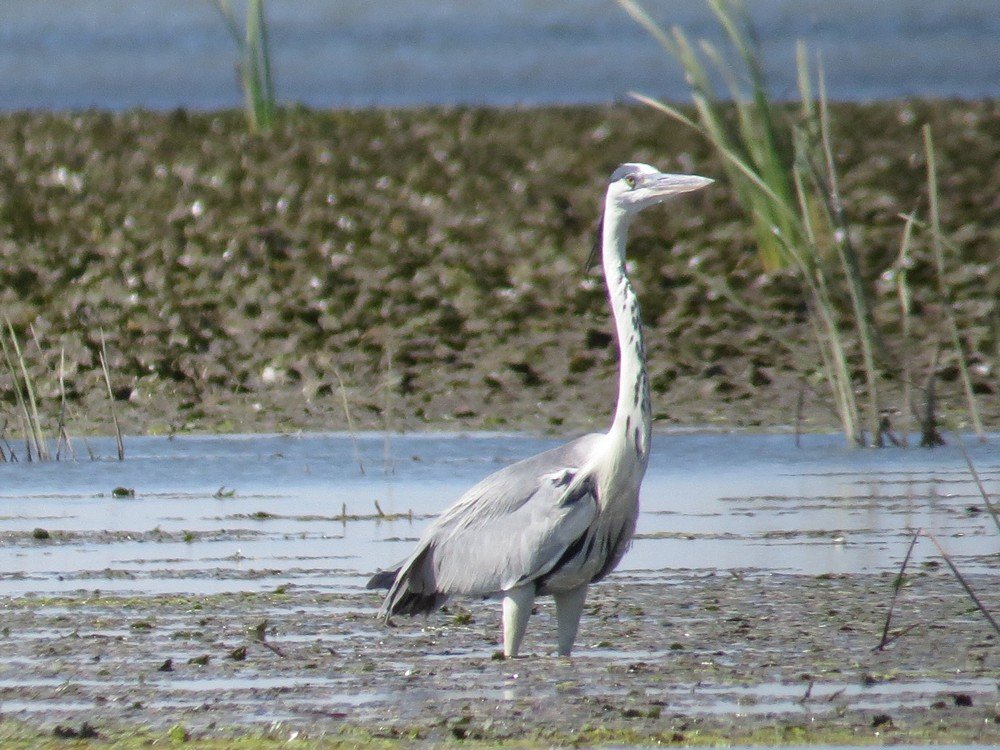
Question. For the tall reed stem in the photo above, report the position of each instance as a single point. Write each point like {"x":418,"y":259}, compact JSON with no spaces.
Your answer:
{"x":937,"y":243}
{"x":111,"y":399}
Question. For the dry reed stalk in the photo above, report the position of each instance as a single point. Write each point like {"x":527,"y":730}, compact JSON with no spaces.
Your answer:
{"x":350,"y":421}
{"x":34,"y":441}
{"x":111,"y":398}
{"x":937,"y":243}
{"x":929,"y":435}
{"x":388,"y":464}
{"x":900,"y":268}
{"x":990,"y":507}
{"x":965,"y":584}
{"x":62,"y":435}
{"x":897,"y":584}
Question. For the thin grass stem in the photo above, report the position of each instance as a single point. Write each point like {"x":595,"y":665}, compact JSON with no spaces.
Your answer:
{"x":350,"y":421}
{"x":33,"y":418}
{"x":388,"y":464}
{"x":848,"y":258}
{"x":254,"y":65}
{"x":990,"y":507}
{"x":31,"y":448}
{"x":901,"y":268}
{"x":965,"y":584}
{"x":897,"y":584}
{"x":120,"y":442}
{"x":938,"y":247}
{"x":62,"y":435}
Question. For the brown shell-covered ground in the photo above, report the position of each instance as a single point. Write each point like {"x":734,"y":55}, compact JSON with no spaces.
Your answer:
{"x":432,"y":262}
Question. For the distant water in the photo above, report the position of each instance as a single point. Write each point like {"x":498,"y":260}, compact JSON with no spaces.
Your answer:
{"x":117,"y":54}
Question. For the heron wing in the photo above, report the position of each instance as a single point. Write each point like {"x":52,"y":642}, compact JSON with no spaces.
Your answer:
{"x":511,"y":527}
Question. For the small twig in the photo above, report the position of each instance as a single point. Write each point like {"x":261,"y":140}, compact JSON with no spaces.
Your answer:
{"x":896,"y":636}
{"x":259,"y":635}
{"x":378,"y":509}
{"x":885,"y":429}
{"x":90,"y":451}
{"x":388,"y":465}
{"x":10,"y":449}
{"x":929,"y":435}
{"x":896,"y":586}
{"x":350,"y":422}
{"x":965,"y":584}
{"x":979,"y":482}
{"x":62,"y":435}
{"x":800,"y":405}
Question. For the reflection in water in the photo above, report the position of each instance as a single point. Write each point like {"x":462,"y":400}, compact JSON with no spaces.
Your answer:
{"x":710,"y":502}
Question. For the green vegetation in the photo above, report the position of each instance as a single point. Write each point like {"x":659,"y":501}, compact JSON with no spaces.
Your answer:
{"x":254,"y":63}
{"x":35,"y":444}
{"x":31,"y":384}
{"x":782,"y":168}
{"x":16,"y":735}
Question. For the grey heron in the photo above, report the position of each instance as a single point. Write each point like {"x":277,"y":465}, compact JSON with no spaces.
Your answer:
{"x":559,"y":521}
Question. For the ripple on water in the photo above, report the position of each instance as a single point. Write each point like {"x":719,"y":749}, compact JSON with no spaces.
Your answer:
{"x":709,"y":502}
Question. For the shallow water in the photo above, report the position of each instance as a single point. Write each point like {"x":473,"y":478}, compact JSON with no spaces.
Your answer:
{"x":710,"y":502}
{"x":115,"y":54}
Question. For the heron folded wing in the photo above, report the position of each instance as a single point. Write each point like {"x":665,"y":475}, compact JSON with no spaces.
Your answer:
{"x":511,"y":526}
{"x":483,"y":553}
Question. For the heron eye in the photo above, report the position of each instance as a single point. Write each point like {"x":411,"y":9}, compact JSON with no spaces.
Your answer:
{"x":631,"y":182}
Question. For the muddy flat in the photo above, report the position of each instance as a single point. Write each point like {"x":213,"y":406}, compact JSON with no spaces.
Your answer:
{"x":748,"y":657}
{"x":750,"y":608}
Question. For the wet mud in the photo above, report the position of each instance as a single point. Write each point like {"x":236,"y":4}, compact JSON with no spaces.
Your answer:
{"x":674,"y":657}
{"x":425,"y":267}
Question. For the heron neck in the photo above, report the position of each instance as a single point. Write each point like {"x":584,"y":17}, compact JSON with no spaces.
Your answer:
{"x":632,"y":425}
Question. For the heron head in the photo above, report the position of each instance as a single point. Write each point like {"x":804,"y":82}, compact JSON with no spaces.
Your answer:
{"x":633,"y":187}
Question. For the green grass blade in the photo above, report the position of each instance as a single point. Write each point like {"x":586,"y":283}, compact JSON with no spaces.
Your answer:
{"x":848,"y":259}
{"x":901,"y":268}
{"x":32,"y":416}
{"x":229,"y":18}
{"x":30,"y":446}
{"x":265,"y":61}
{"x":938,"y":247}
{"x":804,"y":81}
{"x":640,"y":16}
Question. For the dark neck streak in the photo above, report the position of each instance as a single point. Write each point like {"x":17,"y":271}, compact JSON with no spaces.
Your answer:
{"x":632,"y":424}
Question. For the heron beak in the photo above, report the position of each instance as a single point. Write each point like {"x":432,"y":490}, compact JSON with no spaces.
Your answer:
{"x":663,"y":186}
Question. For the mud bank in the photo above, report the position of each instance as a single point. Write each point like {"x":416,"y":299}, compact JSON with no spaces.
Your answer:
{"x":426,"y":265}
{"x":673,"y":657}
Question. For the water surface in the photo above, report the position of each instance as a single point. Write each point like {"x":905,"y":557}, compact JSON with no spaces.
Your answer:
{"x":252,"y":512}
{"x":117,"y":54}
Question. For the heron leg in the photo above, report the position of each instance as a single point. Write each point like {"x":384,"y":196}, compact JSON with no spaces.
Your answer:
{"x":569,"y":607}
{"x":517,"y":604}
